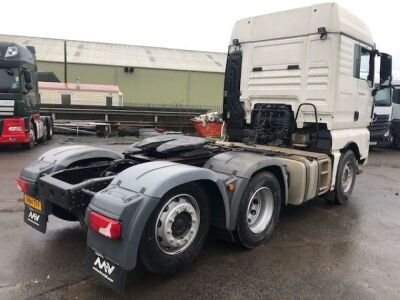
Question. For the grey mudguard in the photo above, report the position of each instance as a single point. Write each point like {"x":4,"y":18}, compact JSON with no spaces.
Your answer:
{"x":241,"y":166}
{"x":134,"y":194}
{"x":131,"y":198}
{"x":61,"y":157}
{"x":66,"y":155}
{"x":156,"y":178}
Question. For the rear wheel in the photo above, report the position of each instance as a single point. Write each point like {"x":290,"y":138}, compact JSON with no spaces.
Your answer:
{"x":259,"y":210}
{"x":395,"y":142}
{"x":176,"y":231}
{"x":80,"y":214}
{"x":49,"y":130}
{"x":45,"y":132}
{"x":63,"y":214}
{"x":32,"y":137}
{"x":345,"y":177}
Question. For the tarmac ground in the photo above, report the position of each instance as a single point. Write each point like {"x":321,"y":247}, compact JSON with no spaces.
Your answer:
{"x":319,"y":250}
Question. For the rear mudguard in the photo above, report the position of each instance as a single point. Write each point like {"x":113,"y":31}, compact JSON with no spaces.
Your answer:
{"x":131,"y":198}
{"x":134,"y":194}
{"x":61,"y":157}
{"x":58,"y":159}
{"x":240,"y":167}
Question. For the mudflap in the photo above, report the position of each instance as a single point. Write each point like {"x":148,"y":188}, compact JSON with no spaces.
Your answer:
{"x":35,"y":219}
{"x":105,"y":270}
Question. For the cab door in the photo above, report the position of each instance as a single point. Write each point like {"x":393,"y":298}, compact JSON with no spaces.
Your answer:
{"x":364,"y":102}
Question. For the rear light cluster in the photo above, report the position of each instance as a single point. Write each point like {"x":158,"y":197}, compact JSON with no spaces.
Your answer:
{"x":12,"y":125}
{"x":23,"y":185}
{"x":107,"y":227}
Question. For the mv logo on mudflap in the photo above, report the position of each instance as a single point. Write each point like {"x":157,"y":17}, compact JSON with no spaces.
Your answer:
{"x":104,"y":268}
{"x":34,"y":216}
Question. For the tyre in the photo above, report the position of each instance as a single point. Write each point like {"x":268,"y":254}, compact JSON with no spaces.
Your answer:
{"x":258,"y":211}
{"x":345,"y":177}
{"x":395,"y":142}
{"x":65,"y":215}
{"x":176,"y":231}
{"x":45,"y":133}
{"x":50,"y":129}
{"x":32,"y":137}
{"x":80,"y":215}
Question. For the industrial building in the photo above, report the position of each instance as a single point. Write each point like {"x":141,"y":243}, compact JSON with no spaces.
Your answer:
{"x":144,"y":75}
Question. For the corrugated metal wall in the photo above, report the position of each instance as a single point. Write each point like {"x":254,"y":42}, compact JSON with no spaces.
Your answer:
{"x":148,"y":86}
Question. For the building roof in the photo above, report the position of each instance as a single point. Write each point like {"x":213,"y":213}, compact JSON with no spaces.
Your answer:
{"x":78,"y":87}
{"x":52,"y":50}
{"x":302,"y":21}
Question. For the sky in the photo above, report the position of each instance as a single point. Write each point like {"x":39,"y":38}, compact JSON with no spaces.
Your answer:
{"x":196,"y":25}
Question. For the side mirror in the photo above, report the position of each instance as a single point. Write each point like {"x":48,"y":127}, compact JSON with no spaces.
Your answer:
{"x":29,"y":86}
{"x":386,"y":70}
{"x":28,"y":77}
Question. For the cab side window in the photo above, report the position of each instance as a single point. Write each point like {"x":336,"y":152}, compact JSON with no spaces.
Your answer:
{"x":361,"y":62}
{"x":396,"y":96}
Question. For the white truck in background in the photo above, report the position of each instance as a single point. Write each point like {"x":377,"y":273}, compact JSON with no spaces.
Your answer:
{"x":297,"y":106}
{"x":380,"y":127}
{"x":385,"y":126}
{"x":395,"y":118}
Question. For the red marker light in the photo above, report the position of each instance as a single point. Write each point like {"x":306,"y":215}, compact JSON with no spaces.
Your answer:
{"x":23,"y":185}
{"x":107,"y":227}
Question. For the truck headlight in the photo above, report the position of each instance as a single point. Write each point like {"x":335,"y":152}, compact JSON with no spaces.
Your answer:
{"x":387,"y":133}
{"x":11,"y":51}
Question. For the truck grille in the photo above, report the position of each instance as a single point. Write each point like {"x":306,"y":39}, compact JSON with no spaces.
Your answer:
{"x":7,"y":107}
{"x":379,"y":125}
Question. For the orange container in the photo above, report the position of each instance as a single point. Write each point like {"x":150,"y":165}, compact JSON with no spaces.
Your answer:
{"x":207,"y":129}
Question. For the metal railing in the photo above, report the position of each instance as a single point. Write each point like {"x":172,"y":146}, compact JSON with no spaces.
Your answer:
{"x":177,"y":117}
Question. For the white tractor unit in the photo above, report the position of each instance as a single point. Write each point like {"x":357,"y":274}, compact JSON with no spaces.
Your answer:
{"x":298,"y":100}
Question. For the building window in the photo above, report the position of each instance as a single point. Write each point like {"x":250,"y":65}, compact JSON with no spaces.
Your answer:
{"x":109,"y":101}
{"x":66,"y":99}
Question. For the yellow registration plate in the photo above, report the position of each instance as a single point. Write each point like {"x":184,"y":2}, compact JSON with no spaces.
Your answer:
{"x":32,"y":202}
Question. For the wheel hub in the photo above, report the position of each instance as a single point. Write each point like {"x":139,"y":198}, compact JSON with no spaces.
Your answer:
{"x":347,"y":177}
{"x":260,"y":209}
{"x":177,"y":224}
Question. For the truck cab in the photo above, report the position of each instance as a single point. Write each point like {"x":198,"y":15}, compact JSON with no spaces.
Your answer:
{"x":380,"y":128}
{"x":20,"y":121}
{"x":313,"y":69}
{"x":395,"y":125}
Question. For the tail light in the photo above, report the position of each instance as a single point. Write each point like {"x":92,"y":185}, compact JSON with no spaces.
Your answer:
{"x":13,"y":125}
{"x":108,"y":227}
{"x":23,"y":185}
